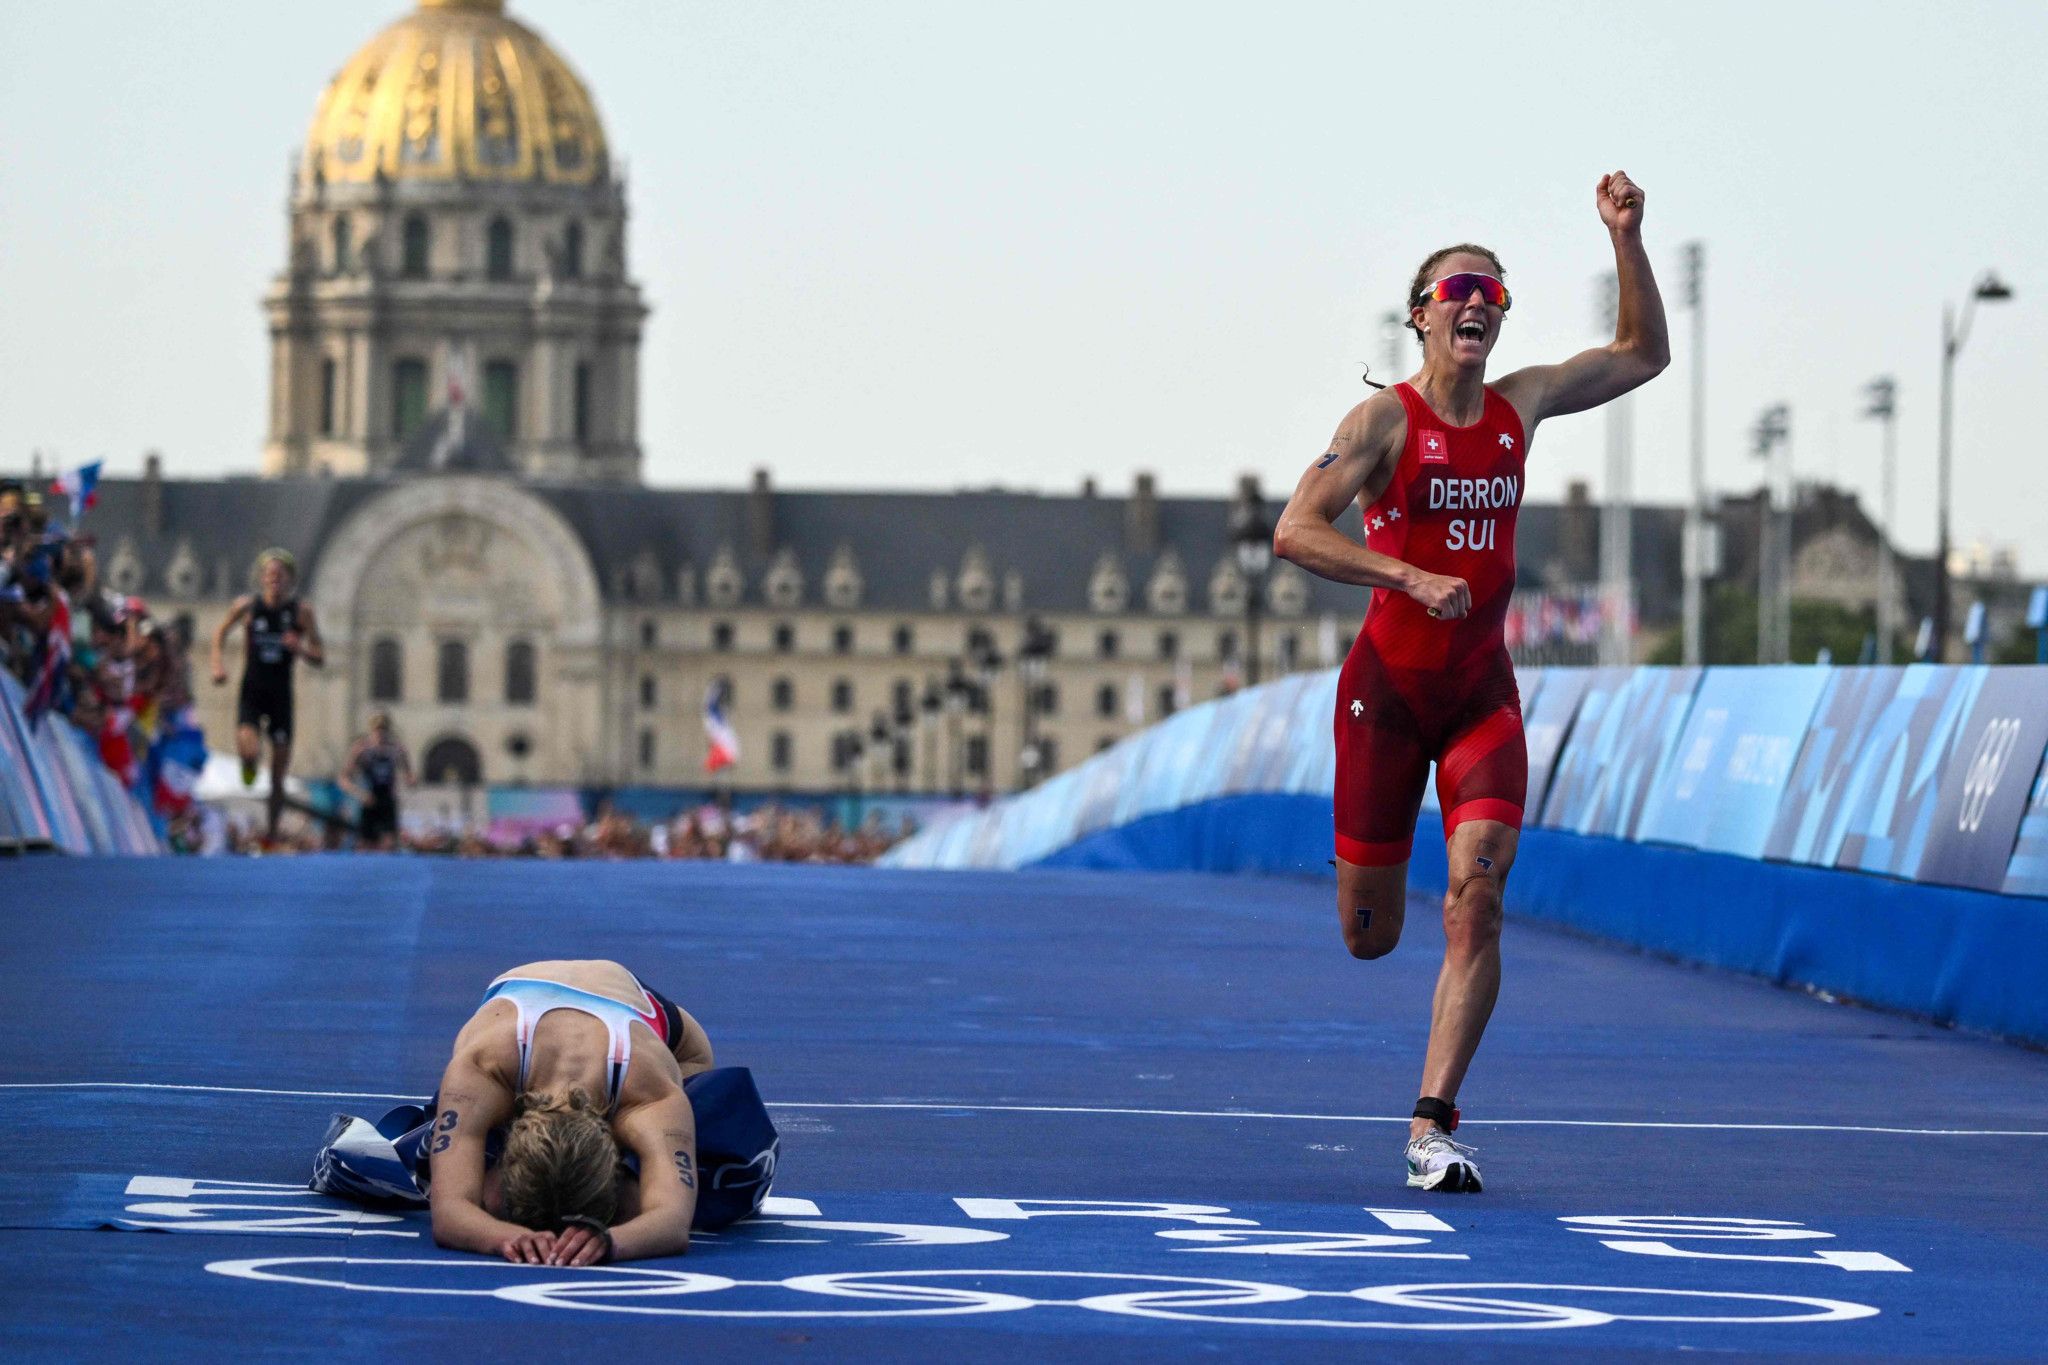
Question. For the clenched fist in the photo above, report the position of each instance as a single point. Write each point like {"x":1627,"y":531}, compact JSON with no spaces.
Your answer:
{"x":1620,"y":201}
{"x":1447,"y":599}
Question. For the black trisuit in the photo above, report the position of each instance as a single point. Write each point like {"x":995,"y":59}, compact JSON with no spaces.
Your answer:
{"x":377,"y":766}
{"x":266,"y":700}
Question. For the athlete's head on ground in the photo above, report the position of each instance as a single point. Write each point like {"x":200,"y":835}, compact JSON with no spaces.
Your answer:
{"x":275,"y":572}
{"x":560,"y":1162}
{"x":1461,"y":327}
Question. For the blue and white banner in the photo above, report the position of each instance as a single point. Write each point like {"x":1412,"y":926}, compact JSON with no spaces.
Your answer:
{"x":2027,"y":873}
{"x":1629,"y":720}
{"x":1722,"y":784}
{"x":1864,"y":791}
{"x":1984,"y":782}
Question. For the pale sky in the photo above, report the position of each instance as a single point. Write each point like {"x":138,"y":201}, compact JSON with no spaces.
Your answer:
{"x":940,"y":244}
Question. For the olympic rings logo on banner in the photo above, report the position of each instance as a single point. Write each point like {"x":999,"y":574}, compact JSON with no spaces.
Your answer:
{"x":1987,"y":767}
{"x":1440,"y":1307}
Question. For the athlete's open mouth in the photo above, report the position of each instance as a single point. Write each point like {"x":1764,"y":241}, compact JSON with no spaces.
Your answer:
{"x":1472,"y":330}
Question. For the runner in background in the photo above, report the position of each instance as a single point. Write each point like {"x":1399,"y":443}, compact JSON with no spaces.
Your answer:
{"x":376,"y":764}
{"x":281,"y":630}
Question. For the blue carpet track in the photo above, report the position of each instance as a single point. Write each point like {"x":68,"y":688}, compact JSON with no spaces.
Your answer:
{"x":1038,"y":1115}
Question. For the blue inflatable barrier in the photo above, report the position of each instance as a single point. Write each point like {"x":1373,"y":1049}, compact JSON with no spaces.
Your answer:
{"x":1916,"y":797}
{"x":56,"y":793}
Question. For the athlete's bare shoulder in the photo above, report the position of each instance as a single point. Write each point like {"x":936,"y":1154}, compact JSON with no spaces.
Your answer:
{"x":1364,"y":452}
{"x":1369,"y":434}
{"x":1524,"y":390}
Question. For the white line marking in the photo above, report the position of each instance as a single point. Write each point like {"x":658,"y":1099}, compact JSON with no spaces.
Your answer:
{"x":211,"y":1089}
{"x":1115,"y":1112}
{"x":1411,"y":1220}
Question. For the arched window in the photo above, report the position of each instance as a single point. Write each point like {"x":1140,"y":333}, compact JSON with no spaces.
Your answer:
{"x":498,"y":249}
{"x":451,"y":672}
{"x":519,"y":673}
{"x":572,"y":251}
{"x":387,"y":670}
{"x":451,"y":760}
{"x":344,"y":247}
{"x":418,"y":241}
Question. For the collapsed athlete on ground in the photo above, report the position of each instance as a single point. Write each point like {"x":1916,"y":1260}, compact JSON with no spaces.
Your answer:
{"x":1436,"y":464}
{"x":549,"y":1057}
{"x":281,"y":631}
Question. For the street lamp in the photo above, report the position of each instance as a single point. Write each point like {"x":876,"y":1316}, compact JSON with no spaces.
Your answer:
{"x":1695,"y":542}
{"x":1033,"y":652}
{"x":1954,"y":331}
{"x":932,"y":700}
{"x":1881,"y":395}
{"x":957,"y":690}
{"x":1773,"y":433}
{"x":1252,"y":534}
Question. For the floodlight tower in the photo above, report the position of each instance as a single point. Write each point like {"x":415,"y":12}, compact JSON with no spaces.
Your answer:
{"x":1954,"y":331}
{"x":1881,"y":396}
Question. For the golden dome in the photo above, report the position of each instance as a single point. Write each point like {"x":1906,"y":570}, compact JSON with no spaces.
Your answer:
{"x":454,"y":91}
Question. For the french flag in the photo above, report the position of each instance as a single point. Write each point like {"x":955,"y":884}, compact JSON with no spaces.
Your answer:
{"x":722,"y":741}
{"x":177,"y":759}
{"x":81,"y":485}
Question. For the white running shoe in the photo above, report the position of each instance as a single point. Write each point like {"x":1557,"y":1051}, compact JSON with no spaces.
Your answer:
{"x":1437,"y":1163}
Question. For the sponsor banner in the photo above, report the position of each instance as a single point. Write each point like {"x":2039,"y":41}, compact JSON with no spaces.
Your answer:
{"x":1721,"y":786}
{"x":1546,"y":719}
{"x":1628,"y":721}
{"x":2027,"y":873}
{"x":1984,"y":782}
{"x":1864,"y":791}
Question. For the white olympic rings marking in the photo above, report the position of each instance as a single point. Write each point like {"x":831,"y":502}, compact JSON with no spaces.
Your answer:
{"x":1177,"y":1297}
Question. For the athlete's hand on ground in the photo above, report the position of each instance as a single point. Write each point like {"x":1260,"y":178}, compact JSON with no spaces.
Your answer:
{"x":1444,"y":598}
{"x":579,"y":1246}
{"x":1620,"y":201}
{"x":528,"y":1248}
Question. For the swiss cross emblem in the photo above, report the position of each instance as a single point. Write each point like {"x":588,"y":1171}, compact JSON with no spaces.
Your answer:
{"x":1507,"y":441}
{"x":1435,"y":449}
{"x":1378,"y":522}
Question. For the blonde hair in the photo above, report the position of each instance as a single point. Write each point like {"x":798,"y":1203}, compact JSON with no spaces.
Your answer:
{"x":560,"y":1162}
{"x":282,"y":556}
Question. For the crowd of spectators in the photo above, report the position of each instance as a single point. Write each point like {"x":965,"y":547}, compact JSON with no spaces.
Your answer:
{"x":99,"y":660}
{"x":765,"y":834}
{"x":84,"y":652}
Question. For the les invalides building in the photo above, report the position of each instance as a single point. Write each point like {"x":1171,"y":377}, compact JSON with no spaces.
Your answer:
{"x":454,"y":458}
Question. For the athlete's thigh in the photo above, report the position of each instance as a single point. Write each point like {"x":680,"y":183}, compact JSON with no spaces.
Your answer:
{"x":1382,"y":768}
{"x":1482,"y":772}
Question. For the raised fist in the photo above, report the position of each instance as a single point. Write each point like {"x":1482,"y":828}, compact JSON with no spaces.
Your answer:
{"x":1620,"y":201}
